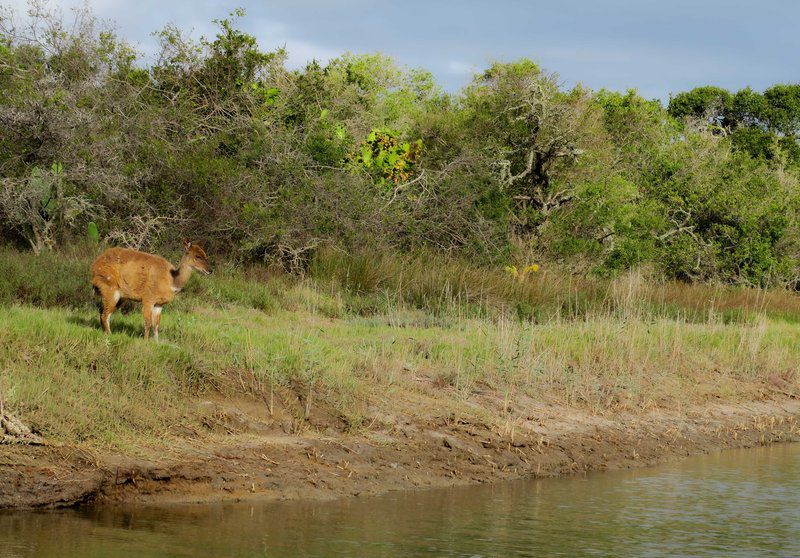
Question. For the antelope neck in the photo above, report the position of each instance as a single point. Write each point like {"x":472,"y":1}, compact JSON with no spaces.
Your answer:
{"x":181,"y":276}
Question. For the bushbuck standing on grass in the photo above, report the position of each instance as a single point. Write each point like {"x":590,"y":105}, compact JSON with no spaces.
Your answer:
{"x":121,"y":273}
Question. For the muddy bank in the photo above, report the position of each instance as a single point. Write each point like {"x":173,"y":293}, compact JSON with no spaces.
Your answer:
{"x":265,"y":459}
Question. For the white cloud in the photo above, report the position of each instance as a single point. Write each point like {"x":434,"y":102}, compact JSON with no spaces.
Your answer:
{"x":460,"y":68}
{"x":273,"y":34}
{"x":301,"y":52}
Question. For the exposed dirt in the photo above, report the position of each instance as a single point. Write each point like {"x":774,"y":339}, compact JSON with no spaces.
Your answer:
{"x":270,"y":456}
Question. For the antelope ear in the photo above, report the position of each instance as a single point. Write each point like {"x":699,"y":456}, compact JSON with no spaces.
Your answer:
{"x":186,"y":244}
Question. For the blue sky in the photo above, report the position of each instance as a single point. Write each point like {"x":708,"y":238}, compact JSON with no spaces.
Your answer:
{"x":655,"y":46}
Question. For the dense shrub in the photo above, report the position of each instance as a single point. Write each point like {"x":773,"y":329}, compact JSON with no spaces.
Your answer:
{"x":221,"y":141}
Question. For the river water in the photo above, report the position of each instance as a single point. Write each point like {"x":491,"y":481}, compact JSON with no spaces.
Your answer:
{"x":736,"y":503}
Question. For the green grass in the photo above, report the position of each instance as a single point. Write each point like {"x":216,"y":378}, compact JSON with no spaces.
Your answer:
{"x":355,"y":341}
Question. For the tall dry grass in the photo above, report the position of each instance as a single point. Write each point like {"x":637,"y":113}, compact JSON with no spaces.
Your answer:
{"x":437,"y":284}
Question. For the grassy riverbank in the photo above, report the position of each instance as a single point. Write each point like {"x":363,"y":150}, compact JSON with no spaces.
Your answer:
{"x":362,"y":339}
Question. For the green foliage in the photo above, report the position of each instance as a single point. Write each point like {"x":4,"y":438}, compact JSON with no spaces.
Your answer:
{"x":763,"y":125}
{"x":218,"y":140}
{"x":749,"y":107}
{"x":92,"y":233}
{"x":608,"y":222}
{"x":390,"y":159}
{"x":539,"y":141}
{"x":234,"y":60}
{"x":725,"y":215}
{"x":784,"y":108}
{"x":758,"y":143}
{"x":328,"y":140}
{"x":708,"y":103}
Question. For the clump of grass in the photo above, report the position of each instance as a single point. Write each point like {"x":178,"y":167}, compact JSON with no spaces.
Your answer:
{"x":378,"y":283}
{"x":48,"y":281}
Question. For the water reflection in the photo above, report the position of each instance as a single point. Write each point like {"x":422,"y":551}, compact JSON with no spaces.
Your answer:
{"x":742,"y":503}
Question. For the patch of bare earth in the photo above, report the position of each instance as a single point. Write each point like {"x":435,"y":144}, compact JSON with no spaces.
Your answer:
{"x":252,"y":453}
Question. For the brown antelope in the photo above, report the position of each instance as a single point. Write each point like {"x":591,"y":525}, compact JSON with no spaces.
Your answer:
{"x":121,"y":273}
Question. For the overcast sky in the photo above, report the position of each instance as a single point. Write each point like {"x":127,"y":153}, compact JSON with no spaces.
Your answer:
{"x":655,"y":46}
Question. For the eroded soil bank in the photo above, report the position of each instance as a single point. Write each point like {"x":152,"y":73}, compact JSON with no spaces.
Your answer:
{"x":267,"y":457}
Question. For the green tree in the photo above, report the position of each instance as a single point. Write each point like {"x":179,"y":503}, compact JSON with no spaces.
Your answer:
{"x":708,"y":104}
{"x":539,"y":141}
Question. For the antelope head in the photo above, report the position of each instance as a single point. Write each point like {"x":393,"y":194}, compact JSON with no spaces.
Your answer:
{"x":195,"y":257}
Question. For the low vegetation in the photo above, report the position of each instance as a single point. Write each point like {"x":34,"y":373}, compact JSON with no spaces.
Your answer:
{"x":361,"y":334}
